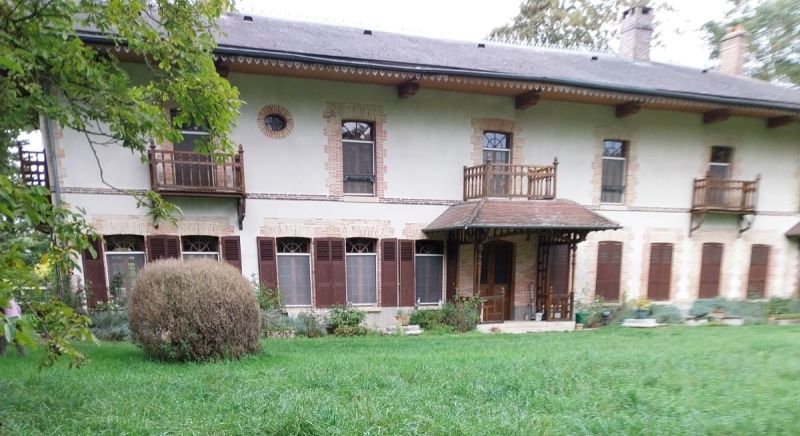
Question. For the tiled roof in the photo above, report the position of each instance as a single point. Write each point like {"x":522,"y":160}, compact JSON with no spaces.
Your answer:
{"x":794,"y":231}
{"x":351,"y":46}
{"x":523,"y":214}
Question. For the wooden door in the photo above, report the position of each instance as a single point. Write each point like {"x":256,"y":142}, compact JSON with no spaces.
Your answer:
{"x":757,"y":276}
{"x":496,"y":280}
{"x":710,"y":269}
{"x":660,"y":276}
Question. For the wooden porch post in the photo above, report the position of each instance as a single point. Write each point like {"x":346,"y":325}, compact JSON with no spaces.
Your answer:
{"x":572,"y":248}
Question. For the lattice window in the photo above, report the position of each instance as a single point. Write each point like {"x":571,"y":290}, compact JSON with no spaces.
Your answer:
{"x":361,"y":266}
{"x":194,"y":247}
{"x":293,"y":245}
{"x":125,"y":243}
{"x":294,"y":271}
{"x":424,"y":246}
{"x":496,"y":147}
{"x":360,"y":246}
{"x":358,"y":157}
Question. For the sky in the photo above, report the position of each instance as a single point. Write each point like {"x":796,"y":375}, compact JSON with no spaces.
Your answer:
{"x":472,"y":20}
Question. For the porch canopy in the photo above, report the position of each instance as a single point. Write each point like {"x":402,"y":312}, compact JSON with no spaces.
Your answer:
{"x":556,"y":226}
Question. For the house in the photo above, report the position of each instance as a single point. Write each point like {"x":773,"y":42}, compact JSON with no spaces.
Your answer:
{"x":392,"y":171}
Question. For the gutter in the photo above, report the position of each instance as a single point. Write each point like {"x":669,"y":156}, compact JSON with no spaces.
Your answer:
{"x":346,"y":62}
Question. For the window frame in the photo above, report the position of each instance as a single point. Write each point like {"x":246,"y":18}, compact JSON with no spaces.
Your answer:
{"x":374,"y":254}
{"x":201,"y":254}
{"x":509,"y":144}
{"x":624,"y":159}
{"x":107,"y":253}
{"x":307,"y":253}
{"x":441,"y":280}
{"x":374,"y":169}
{"x":728,"y":166}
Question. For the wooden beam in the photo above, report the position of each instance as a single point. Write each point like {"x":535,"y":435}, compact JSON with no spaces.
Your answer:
{"x":408,"y":89}
{"x":628,"y":108}
{"x":526,"y":100}
{"x":780,"y":121}
{"x":716,"y":116}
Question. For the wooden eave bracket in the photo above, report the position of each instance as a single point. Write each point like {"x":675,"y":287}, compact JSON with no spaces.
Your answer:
{"x":781,"y":121}
{"x":528,"y":99}
{"x":223,"y":69}
{"x":408,"y":89}
{"x":628,"y":108}
{"x":716,"y":116}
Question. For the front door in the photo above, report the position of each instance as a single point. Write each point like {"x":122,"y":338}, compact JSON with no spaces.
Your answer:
{"x":496,"y":280}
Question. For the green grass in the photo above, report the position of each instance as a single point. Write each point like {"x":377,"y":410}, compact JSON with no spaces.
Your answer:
{"x":675,"y":380}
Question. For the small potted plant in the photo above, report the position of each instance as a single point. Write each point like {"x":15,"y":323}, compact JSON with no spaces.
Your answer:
{"x":642,"y":305}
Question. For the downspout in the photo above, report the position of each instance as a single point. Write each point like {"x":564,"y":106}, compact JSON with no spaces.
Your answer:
{"x":46,"y":124}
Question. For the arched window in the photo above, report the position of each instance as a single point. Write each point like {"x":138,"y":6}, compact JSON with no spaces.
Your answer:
{"x":361,"y":263}
{"x":294,"y":271}
{"x":125,"y":256}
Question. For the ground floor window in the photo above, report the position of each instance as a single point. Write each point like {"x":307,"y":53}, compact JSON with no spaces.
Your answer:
{"x":125,"y":256}
{"x":199,"y":247}
{"x":294,"y":271}
{"x":361,"y":264}
{"x":429,"y":267}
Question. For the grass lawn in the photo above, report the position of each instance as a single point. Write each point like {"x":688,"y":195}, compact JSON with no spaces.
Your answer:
{"x":676,"y":380}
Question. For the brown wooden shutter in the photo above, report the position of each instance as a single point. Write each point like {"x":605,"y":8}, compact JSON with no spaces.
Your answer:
{"x":757,"y":276}
{"x":232,"y":251}
{"x":330,"y":274}
{"x":94,"y":274}
{"x":389,"y":272}
{"x":609,"y":266}
{"x":163,"y":247}
{"x":660,"y":276}
{"x":558,"y":266}
{"x":407,"y":276}
{"x":452,"y":269}
{"x":710,"y":269}
{"x":267,"y":263}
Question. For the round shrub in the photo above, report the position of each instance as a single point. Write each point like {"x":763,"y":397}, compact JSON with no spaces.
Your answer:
{"x":193,"y":311}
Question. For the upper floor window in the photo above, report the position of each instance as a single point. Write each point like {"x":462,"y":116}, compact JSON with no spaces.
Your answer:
{"x":361,"y":263}
{"x":615,"y":155}
{"x":358,"y":157}
{"x":294,"y":271}
{"x":125,"y":256}
{"x":197,"y":247}
{"x":192,"y":134}
{"x":719,"y":166}
{"x":496,"y":147}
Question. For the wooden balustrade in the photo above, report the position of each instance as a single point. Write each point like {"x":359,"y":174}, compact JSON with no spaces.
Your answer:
{"x":33,"y":168}
{"x":722,"y":195}
{"x":534,"y":182}
{"x":191,"y":173}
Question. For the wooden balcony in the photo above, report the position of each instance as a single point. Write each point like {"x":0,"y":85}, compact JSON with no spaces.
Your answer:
{"x":532,"y":182}
{"x":195,"y":174}
{"x":33,"y":168}
{"x":726,"y":196}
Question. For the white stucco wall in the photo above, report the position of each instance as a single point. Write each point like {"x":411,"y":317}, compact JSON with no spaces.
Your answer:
{"x":428,"y":141}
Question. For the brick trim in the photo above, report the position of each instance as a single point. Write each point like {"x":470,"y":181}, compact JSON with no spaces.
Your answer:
{"x":275,"y":109}
{"x":631,"y":137}
{"x":334,"y":114}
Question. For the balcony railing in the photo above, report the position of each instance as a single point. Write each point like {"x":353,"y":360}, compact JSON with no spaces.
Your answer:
{"x":533,"y":182}
{"x":33,"y":168}
{"x":191,"y":173}
{"x":722,"y":195}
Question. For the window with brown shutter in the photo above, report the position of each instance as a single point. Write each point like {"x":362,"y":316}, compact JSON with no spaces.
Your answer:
{"x":710,"y":269}
{"x":362,"y":274}
{"x":407,"y":276}
{"x":125,"y":257}
{"x":267,"y":266}
{"x":94,"y":274}
{"x":163,"y":247}
{"x":232,"y":251}
{"x":757,"y":276}
{"x":294,"y":271}
{"x":389,"y":272}
{"x":609,"y":267}
{"x":329,"y":272}
{"x":659,"y":278}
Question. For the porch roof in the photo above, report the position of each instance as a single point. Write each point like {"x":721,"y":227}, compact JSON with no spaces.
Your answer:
{"x":558,"y":214}
{"x":794,"y":232}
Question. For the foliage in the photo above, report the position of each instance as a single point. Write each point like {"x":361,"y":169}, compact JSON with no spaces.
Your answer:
{"x":594,"y":310}
{"x":193,"y":311}
{"x":351,"y":330}
{"x":274,"y":320}
{"x":268,"y":299}
{"x":344,"y":316}
{"x":59,"y":325}
{"x":110,"y":325}
{"x":308,"y":324}
{"x":666,"y":314}
{"x":791,"y":316}
{"x":773,"y":37}
{"x":642,"y":303}
{"x":463,"y":313}
{"x":589,"y":24}
{"x":427,"y":318}
{"x":753,"y":312}
{"x":779,"y":306}
{"x":439,"y":329}
{"x":678,"y":380}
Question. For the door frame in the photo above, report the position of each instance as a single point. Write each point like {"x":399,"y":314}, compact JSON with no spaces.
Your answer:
{"x":508,"y":298}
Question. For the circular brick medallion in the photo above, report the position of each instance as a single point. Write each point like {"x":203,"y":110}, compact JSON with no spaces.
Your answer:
{"x":275,"y":121}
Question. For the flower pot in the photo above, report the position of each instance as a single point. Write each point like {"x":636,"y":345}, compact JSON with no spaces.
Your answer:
{"x":642,"y":313}
{"x":538,"y":316}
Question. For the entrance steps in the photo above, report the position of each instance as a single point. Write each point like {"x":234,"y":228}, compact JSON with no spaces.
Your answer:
{"x":527,"y":327}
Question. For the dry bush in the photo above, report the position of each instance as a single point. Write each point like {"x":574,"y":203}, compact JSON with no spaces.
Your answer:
{"x":193,"y":311}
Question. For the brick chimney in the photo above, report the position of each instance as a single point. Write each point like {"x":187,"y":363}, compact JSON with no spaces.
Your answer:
{"x":636,"y":33}
{"x":733,"y":51}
